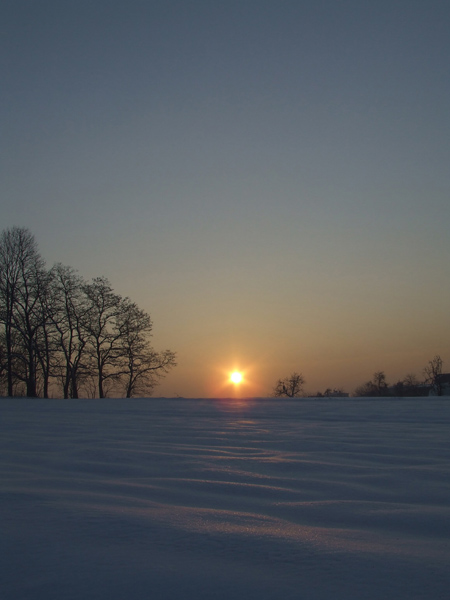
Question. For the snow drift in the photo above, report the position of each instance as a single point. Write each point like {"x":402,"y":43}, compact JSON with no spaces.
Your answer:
{"x":218,"y":499}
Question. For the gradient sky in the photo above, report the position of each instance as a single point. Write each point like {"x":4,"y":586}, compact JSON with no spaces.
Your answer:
{"x":268,"y":179}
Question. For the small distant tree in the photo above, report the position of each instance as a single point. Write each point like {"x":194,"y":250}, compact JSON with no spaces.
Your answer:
{"x":376,"y":387}
{"x":410,"y":386}
{"x":365,"y":389}
{"x":379,"y":381}
{"x":433,"y":372}
{"x":411,"y":380}
{"x":290,"y":387}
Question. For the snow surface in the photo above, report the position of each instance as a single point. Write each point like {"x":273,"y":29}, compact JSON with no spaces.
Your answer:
{"x":170,"y":499}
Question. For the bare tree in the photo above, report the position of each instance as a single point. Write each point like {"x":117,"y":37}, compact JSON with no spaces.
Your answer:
{"x":22,"y":281}
{"x":365,"y":389}
{"x":3,"y":363}
{"x":433,"y":372}
{"x":379,"y":381}
{"x":376,"y":387}
{"x":9,"y":281}
{"x":46,"y":343}
{"x":54,"y":325}
{"x":411,"y":380}
{"x":68,"y":314}
{"x":146,"y":369}
{"x":290,"y":387}
{"x":105,"y":337}
{"x":410,"y":386}
{"x":142,"y":366}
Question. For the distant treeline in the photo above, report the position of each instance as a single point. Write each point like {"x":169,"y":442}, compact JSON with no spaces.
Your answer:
{"x":66,"y":337}
{"x":434,"y":382}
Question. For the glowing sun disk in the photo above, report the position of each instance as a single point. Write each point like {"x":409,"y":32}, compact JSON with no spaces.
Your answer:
{"x":236,"y":377}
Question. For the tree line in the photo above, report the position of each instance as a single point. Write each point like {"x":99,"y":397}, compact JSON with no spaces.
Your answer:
{"x":64,"y":335}
{"x":433,"y":379}
{"x":411,"y":385}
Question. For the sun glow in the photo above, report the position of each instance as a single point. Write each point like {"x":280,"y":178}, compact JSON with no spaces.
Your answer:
{"x":235,"y":380}
{"x":236,"y":377}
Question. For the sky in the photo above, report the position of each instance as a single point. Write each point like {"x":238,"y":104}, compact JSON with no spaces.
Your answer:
{"x":268,"y":179}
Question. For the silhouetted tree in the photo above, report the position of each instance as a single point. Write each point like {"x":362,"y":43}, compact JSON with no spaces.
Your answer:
{"x":142,"y":366}
{"x":379,"y":381}
{"x":45,"y":342}
{"x":376,"y":387}
{"x":365,"y":389}
{"x":3,"y":364}
{"x":22,"y":282}
{"x":54,"y":325}
{"x":104,"y":334}
{"x":11,"y":241}
{"x":433,"y":372}
{"x":410,"y":386}
{"x":290,"y":387}
{"x":411,"y":381}
{"x":69,"y":317}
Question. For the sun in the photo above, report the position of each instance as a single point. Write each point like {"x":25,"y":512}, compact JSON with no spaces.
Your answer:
{"x":236,"y":377}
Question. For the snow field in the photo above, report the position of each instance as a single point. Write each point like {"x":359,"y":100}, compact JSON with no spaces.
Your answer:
{"x":217,"y":499}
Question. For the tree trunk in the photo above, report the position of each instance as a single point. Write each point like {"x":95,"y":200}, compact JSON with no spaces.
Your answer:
{"x":10,"y":362}
{"x":74,"y":384}
{"x":66,"y":383}
{"x":100,"y":383}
